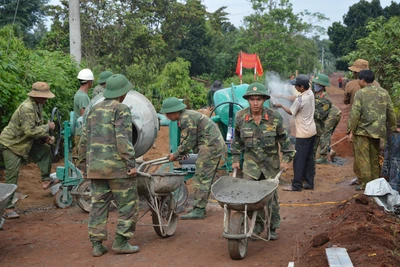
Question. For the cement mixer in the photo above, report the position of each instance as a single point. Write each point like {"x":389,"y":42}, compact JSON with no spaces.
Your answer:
{"x":145,"y":125}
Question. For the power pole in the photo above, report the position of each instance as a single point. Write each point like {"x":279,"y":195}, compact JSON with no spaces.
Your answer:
{"x":75,"y":31}
{"x":322,"y":61}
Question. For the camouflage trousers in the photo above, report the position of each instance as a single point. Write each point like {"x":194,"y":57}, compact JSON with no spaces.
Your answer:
{"x":273,"y":205}
{"x":39,"y":153}
{"x":366,"y":157}
{"x":206,"y":167}
{"x":325,"y":142}
{"x":124,"y":193}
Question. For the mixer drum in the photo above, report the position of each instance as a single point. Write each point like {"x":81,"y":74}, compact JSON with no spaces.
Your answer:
{"x":145,"y":123}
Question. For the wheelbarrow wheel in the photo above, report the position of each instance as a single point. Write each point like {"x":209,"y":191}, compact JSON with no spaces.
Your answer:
{"x":237,"y":247}
{"x":59,"y":200}
{"x":166,"y":209}
{"x":181,"y":195}
{"x":83,"y":199}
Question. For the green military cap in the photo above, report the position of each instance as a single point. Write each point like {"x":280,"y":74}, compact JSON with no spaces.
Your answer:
{"x":321,"y":79}
{"x":256,"y":89}
{"x":104,"y":76}
{"x":172,"y":104}
{"x":117,"y":85}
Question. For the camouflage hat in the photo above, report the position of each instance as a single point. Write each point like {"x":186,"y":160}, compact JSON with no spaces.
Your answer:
{"x":41,"y":89}
{"x":321,"y":79}
{"x":256,"y":89}
{"x":171,"y":105}
{"x":104,"y":76}
{"x":359,"y":65}
{"x":117,"y":85}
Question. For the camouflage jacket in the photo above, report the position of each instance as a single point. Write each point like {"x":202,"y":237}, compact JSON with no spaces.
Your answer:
{"x":198,"y":130}
{"x":106,"y":141}
{"x":26,"y":125}
{"x":97,"y":90}
{"x":260,"y":143}
{"x":371,"y":110}
{"x":335,"y":114}
{"x":323,"y":106}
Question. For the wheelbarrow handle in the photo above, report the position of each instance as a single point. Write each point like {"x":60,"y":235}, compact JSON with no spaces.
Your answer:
{"x":143,"y":174}
{"x":234,"y":172}
{"x":154,"y":161}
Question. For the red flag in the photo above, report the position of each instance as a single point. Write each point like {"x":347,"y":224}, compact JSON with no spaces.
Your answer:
{"x":248,"y":61}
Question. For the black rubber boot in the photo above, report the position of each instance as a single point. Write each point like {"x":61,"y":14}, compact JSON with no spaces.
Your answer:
{"x":121,"y":245}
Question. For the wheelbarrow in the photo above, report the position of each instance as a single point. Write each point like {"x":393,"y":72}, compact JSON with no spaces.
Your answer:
{"x":6,"y":191}
{"x":243,"y":196}
{"x":156,"y":188}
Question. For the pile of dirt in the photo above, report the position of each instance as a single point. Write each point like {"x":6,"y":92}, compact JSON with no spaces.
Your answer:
{"x":370,"y":235}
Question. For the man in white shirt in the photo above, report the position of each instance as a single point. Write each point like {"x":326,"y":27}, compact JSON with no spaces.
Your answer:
{"x":302,"y":110}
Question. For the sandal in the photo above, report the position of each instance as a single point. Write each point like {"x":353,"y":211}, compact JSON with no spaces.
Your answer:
{"x":50,"y":184}
{"x":290,"y":188}
{"x":10,"y":215}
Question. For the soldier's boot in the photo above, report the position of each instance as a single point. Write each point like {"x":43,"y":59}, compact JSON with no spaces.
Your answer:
{"x":321,"y":161}
{"x":272,"y":234}
{"x":121,"y":245}
{"x":98,"y":249}
{"x":195,"y":214}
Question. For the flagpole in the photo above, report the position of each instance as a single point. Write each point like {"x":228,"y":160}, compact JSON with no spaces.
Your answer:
{"x":241,"y":67}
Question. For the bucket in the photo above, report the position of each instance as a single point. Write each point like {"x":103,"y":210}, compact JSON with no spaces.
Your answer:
{"x":145,"y":122}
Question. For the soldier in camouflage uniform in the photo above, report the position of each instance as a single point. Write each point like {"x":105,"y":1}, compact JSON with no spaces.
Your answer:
{"x":330,"y":125}
{"x":323,"y":105}
{"x":110,"y":162}
{"x":27,"y":136}
{"x":102,"y":83}
{"x":372,"y":109}
{"x":258,"y":133}
{"x":200,"y":134}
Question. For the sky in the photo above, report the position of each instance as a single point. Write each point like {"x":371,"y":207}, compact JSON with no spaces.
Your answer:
{"x":332,"y":9}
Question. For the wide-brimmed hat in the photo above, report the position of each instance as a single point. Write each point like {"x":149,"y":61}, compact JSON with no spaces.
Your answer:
{"x":104,"y":76}
{"x":321,"y":79}
{"x":256,"y":89}
{"x":171,"y":105}
{"x":42,"y":90}
{"x":359,"y":65}
{"x":117,"y":85}
{"x":216,"y":86}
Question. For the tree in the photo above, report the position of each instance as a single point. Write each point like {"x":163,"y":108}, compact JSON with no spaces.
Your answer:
{"x":382,"y":51}
{"x":344,"y":36}
{"x":280,"y":37}
{"x":185,"y":32}
{"x":25,"y":13}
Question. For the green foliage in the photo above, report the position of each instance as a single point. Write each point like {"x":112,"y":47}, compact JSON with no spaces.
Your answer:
{"x":344,"y":36}
{"x":21,"y":67}
{"x":174,"y":81}
{"x":382,"y":50}
{"x":279,"y":37}
{"x":28,"y":14}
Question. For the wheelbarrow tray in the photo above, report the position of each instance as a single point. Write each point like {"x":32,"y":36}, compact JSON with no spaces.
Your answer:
{"x":160,"y":183}
{"x":236,"y":193}
{"x":6,"y":191}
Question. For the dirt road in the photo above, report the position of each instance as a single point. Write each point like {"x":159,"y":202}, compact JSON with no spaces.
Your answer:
{"x":47,"y":236}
